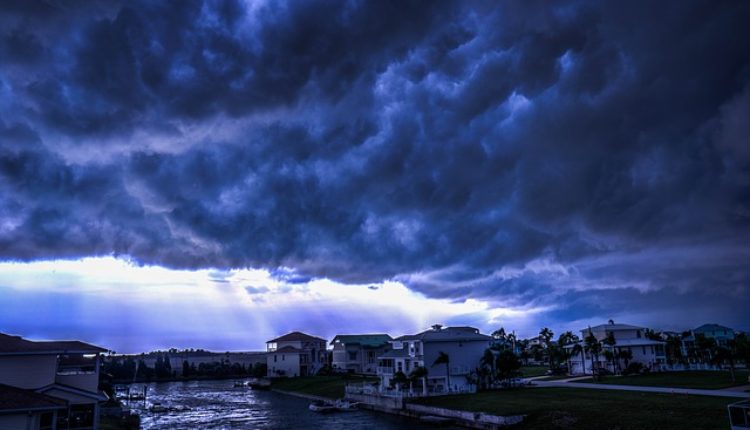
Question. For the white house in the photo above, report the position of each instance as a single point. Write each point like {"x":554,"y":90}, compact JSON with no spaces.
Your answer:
{"x":358,"y":353}
{"x":650,"y":353}
{"x":295,"y":354}
{"x":49,"y":385}
{"x":464,"y":347}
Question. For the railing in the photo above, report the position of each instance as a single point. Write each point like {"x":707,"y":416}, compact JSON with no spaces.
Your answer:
{"x":403,"y":392}
{"x":385,"y":370}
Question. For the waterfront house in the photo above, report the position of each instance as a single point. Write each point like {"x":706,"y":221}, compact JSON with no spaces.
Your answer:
{"x":650,"y":353}
{"x":358,"y":353}
{"x":49,"y":385}
{"x":462,"y":346}
{"x":721,"y":334}
{"x":295,"y":354}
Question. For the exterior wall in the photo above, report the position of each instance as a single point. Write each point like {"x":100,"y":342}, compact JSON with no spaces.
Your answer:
{"x":365,"y":361}
{"x":647,"y":355}
{"x":19,"y":422}
{"x":308,"y":362}
{"x":283,"y":364}
{"x":464,"y":357}
{"x":28,"y":371}
{"x":84,"y":381}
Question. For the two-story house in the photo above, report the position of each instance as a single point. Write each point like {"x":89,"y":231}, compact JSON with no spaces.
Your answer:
{"x":358,"y":353}
{"x":295,"y":354}
{"x":461,"y":347}
{"x":650,"y":353}
{"x":49,"y":385}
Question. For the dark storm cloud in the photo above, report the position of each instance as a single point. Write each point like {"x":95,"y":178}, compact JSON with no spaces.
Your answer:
{"x":510,"y":152}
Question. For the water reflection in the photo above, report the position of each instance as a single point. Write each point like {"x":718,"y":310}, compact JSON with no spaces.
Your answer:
{"x":219,"y":405}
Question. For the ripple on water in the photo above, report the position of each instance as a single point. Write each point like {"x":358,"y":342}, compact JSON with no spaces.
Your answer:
{"x":219,"y":405}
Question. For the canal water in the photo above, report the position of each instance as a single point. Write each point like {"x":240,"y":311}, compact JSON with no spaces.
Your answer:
{"x":219,"y":405}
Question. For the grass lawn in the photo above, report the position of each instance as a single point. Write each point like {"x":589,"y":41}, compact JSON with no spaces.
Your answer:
{"x":575,"y":408}
{"x":531,"y":371}
{"x":707,"y":380}
{"x":324,"y":386}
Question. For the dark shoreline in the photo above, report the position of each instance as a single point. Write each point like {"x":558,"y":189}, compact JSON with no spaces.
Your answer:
{"x":180,"y":379}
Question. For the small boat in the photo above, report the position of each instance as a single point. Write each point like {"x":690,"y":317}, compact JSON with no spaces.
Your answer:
{"x":344,"y":406}
{"x":158,"y":408}
{"x":260,"y":384}
{"x":322,"y":407}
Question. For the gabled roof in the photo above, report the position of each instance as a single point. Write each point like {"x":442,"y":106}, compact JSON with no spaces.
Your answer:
{"x":16,"y":345}
{"x":296,"y":336}
{"x":365,"y":340}
{"x":99,"y":396}
{"x":289,"y":350}
{"x":448,"y":334}
{"x":20,"y":400}
{"x":395,"y":353}
{"x":613,"y":327}
{"x":712,"y":327}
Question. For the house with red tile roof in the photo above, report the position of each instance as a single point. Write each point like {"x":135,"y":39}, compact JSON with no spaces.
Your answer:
{"x":295,"y":354}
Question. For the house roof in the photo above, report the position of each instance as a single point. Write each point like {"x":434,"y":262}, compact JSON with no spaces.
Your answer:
{"x":18,"y":399}
{"x":296,"y":336}
{"x":16,"y":345}
{"x":365,"y":340}
{"x":712,"y":327}
{"x":395,"y":353}
{"x":614,"y":327}
{"x":638,"y":342}
{"x":289,"y":350}
{"x":99,"y":396}
{"x":448,"y":334}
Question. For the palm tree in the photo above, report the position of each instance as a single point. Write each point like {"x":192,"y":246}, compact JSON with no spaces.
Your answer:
{"x":578,"y":349}
{"x":610,"y":341}
{"x":443,"y":358}
{"x":419,"y":373}
{"x":487,"y":362}
{"x":626,"y":355}
{"x":593,"y":347}
{"x":545,"y":334}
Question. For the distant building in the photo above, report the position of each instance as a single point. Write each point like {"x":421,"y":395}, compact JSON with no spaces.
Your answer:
{"x":49,"y":385}
{"x":464,"y":347}
{"x":295,"y":354}
{"x":650,"y":353}
{"x":722,"y":335}
{"x":358,"y":353}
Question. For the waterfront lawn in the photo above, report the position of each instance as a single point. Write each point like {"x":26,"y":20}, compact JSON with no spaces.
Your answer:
{"x":700,"y":379}
{"x":331,"y":387}
{"x":531,"y":371}
{"x":576,"y":408}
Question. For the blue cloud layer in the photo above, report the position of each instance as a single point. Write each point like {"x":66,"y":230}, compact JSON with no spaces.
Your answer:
{"x":506,"y":152}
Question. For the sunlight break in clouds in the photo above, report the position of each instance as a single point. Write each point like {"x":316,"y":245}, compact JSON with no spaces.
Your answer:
{"x":184,"y":308}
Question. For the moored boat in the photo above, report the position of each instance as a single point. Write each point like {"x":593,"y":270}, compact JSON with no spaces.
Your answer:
{"x":322,"y":407}
{"x":260,"y":384}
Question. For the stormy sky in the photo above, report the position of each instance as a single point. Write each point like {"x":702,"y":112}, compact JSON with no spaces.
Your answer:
{"x":522,"y":164}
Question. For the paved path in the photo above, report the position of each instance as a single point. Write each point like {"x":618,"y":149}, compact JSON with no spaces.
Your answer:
{"x":681,"y":391}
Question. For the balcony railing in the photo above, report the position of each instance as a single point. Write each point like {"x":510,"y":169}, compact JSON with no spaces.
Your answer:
{"x":385,"y":370}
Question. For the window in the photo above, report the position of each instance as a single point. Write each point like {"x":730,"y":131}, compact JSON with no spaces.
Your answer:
{"x":282,"y":357}
{"x":644,"y":350}
{"x":638,"y":334}
{"x":352,"y":355}
{"x":275,"y":358}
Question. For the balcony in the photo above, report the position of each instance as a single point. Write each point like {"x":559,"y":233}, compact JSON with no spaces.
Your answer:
{"x":382,"y":370}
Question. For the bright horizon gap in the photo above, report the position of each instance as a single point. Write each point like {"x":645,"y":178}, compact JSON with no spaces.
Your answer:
{"x":250,"y":304}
